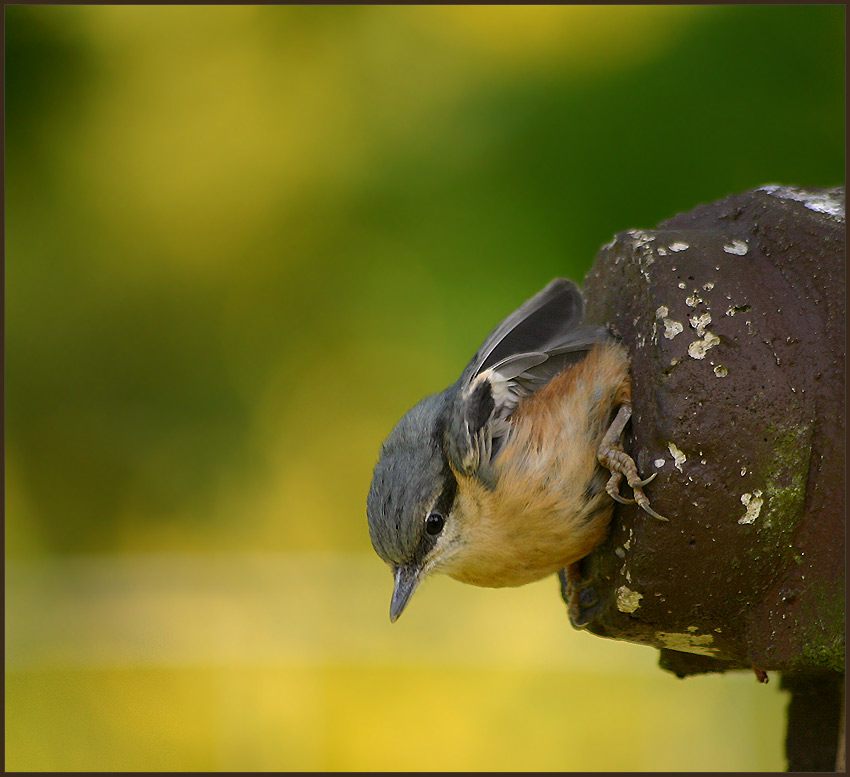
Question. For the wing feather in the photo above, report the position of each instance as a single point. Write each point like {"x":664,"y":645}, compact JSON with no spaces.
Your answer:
{"x":521,"y":355}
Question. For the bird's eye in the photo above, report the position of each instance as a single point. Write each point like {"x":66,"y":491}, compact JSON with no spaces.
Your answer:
{"x":434,"y":524}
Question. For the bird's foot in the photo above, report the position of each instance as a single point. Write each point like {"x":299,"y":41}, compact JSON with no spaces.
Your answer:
{"x":612,"y":456}
{"x":580,"y":596}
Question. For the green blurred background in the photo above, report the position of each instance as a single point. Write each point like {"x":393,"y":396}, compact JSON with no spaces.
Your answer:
{"x":240,"y":243}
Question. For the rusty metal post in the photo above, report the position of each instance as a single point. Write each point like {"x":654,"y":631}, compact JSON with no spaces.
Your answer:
{"x":734,"y":317}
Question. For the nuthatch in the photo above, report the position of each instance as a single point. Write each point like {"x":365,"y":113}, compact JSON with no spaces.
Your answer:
{"x":499,"y":480}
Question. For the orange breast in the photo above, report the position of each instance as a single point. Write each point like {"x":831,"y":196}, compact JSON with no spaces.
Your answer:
{"x":542,"y":516}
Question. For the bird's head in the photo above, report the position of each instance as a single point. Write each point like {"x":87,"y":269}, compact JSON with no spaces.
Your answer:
{"x":411,"y":501}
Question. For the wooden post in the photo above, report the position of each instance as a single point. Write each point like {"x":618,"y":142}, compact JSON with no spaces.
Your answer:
{"x":734,"y":317}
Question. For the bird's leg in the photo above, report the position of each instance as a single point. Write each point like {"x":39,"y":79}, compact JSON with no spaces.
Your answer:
{"x":612,"y":456}
{"x":579,"y":595}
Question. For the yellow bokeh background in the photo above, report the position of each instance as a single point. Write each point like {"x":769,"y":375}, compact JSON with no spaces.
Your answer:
{"x":240,"y":242}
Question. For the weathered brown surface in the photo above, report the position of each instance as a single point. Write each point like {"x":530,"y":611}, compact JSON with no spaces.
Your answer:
{"x":814,"y":722}
{"x":756,"y":283}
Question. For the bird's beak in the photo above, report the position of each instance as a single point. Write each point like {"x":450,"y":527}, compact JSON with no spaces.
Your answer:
{"x":407,"y":578}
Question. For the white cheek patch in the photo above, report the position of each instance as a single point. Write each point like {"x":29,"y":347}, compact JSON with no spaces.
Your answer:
{"x":442,"y":556}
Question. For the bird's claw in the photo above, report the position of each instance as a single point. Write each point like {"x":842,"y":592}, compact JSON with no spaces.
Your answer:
{"x":580,"y":596}
{"x":617,"y":498}
{"x":644,"y":482}
{"x":640,"y":498}
{"x":612,"y":456}
{"x":647,"y":509}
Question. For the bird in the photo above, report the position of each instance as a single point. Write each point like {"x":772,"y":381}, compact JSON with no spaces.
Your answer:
{"x":511,"y":473}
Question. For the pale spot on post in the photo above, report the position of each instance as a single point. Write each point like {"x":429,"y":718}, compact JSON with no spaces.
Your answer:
{"x":628,"y":600}
{"x":698,"y":348}
{"x":753,"y":502}
{"x":679,"y":457}
{"x":737,"y":247}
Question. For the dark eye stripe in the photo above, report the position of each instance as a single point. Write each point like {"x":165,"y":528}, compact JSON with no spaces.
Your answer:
{"x":444,"y":502}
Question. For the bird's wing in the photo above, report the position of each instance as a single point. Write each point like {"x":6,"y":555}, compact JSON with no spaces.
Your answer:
{"x":549,"y":315}
{"x":522,"y":354}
